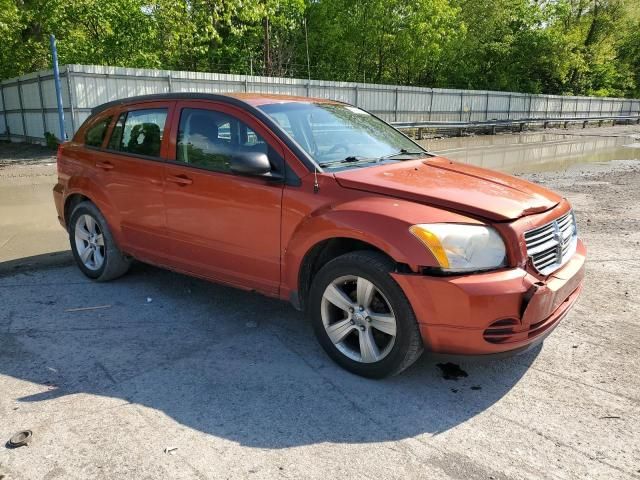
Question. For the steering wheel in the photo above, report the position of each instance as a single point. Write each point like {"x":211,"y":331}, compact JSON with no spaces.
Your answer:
{"x":337,"y":147}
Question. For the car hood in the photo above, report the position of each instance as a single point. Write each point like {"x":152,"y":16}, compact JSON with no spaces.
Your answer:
{"x":442,"y":182}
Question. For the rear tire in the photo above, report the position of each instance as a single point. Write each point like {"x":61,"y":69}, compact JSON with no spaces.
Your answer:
{"x":378,"y":340}
{"x":93,"y":245}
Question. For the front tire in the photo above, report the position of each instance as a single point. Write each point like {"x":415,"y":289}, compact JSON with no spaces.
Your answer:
{"x":93,"y":245}
{"x":361,"y":316}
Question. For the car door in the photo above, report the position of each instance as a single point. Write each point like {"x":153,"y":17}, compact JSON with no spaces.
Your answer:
{"x":132,"y":166}
{"x":222,"y":225}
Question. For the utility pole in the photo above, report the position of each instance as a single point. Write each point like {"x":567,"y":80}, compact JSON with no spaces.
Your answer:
{"x":306,"y":41}
{"x":267,"y":48}
{"x":56,"y":81}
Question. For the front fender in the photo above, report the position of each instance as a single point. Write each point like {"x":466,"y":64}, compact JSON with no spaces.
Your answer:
{"x":379,"y":221}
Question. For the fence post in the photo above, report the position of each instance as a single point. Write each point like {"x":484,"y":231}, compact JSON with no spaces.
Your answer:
{"x":24,"y":124}
{"x":44,"y":115}
{"x":169,"y":83}
{"x":589,"y":108}
{"x":509,"y":109}
{"x":546,"y":107}
{"x":431,"y":103}
{"x":356,"y":94}
{"x":4,"y":112}
{"x":461,"y":104}
{"x":486,"y":108}
{"x":561,"y":105}
{"x":529,"y":111}
{"x":72,"y":112}
{"x":395,"y":111}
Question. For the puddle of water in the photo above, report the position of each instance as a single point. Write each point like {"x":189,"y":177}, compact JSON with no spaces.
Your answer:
{"x":534,"y":152}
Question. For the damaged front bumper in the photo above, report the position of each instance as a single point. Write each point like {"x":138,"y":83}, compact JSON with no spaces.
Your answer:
{"x":502,"y":312}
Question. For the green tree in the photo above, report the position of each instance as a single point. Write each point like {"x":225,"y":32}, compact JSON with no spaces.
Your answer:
{"x":543,"y":46}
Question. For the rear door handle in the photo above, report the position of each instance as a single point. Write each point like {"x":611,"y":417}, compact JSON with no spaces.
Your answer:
{"x":104,"y":165}
{"x":181,"y":180}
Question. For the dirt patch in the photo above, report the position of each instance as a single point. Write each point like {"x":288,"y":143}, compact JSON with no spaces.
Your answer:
{"x":24,"y":154}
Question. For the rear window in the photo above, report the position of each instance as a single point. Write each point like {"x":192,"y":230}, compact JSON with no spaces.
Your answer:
{"x":95,"y":135}
{"x":139,"y":132}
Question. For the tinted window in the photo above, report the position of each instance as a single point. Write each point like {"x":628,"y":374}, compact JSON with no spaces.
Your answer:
{"x":95,"y":135}
{"x":116,"y":134}
{"x":208,"y":139}
{"x":139,"y":132}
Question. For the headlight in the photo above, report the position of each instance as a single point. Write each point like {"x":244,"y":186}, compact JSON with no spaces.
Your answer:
{"x":462,"y":248}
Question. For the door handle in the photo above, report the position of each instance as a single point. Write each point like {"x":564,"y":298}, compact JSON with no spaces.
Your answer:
{"x":181,"y":180}
{"x":104,"y":165}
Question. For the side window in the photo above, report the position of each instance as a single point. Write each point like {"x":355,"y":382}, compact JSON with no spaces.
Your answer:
{"x":95,"y":135}
{"x":116,"y":134}
{"x":208,"y":139}
{"x":139,"y":132}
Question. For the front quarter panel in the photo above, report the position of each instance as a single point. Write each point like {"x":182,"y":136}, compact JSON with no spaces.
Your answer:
{"x":375,"y":219}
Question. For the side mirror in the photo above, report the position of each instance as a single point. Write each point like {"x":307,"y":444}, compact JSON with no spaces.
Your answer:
{"x":250,"y":163}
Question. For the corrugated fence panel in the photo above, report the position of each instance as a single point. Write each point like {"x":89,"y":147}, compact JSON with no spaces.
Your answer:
{"x":92,"y":85}
{"x":498,"y":106}
{"x":446,"y":105}
{"x":11,"y":98}
{"x":14,"y":123}
{"x":414,"y":105}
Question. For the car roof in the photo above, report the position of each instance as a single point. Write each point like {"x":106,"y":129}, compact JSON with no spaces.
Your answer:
{"x":251,"y":99}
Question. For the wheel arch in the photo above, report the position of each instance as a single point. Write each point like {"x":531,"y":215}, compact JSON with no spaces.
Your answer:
{"x":85,"y":190}
{"x":70,"y":203}
{"x":326,"y":250}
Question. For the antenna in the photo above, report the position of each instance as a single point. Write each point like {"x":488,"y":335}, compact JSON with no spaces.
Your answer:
{"x":316,"y":186}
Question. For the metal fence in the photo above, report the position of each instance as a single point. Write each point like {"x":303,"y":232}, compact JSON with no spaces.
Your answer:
{"x":28,"y":103}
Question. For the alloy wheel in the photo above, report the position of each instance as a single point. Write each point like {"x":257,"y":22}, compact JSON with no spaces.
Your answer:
{"x":89,"y":242}
{"x":358,"y":319}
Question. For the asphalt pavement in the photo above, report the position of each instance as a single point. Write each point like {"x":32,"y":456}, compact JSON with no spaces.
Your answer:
{"x":159,"y":375}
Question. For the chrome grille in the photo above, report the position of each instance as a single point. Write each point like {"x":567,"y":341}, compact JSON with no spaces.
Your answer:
{"x":550,"y":246}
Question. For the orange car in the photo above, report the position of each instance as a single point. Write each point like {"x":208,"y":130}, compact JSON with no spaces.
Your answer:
{"x":387,"y":248}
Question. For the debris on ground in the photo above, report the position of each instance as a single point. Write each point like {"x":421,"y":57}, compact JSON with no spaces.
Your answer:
{"x":149,"y":299}
{"x":251,"y":324}
{"x":20,"y":439}
{"x":83,"y":309}
{"x":476,"y":387}
{"x":170,"y":450}
{"x":451,"y":371}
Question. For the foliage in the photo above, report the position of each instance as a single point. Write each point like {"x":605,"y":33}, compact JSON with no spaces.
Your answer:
{"x":51,"y":140}
{"x":589,"y":47}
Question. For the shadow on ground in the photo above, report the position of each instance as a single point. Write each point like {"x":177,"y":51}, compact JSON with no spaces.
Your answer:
{"x":222,"y":361}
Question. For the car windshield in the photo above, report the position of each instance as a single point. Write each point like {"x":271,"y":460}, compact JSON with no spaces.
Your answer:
{"x":340,"y":136}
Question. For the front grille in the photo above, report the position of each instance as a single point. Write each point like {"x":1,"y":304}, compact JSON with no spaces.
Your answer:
{"x":550,"y":246}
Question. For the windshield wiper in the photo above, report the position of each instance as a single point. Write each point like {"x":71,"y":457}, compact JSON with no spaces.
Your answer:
{"x":356,"y":159}
{"x":401,"y":153}
{"x":349,"y":159}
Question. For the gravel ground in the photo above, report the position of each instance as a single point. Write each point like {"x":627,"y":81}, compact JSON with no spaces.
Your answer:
{"x":179,"y":378}
{"x":12,"y":154}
